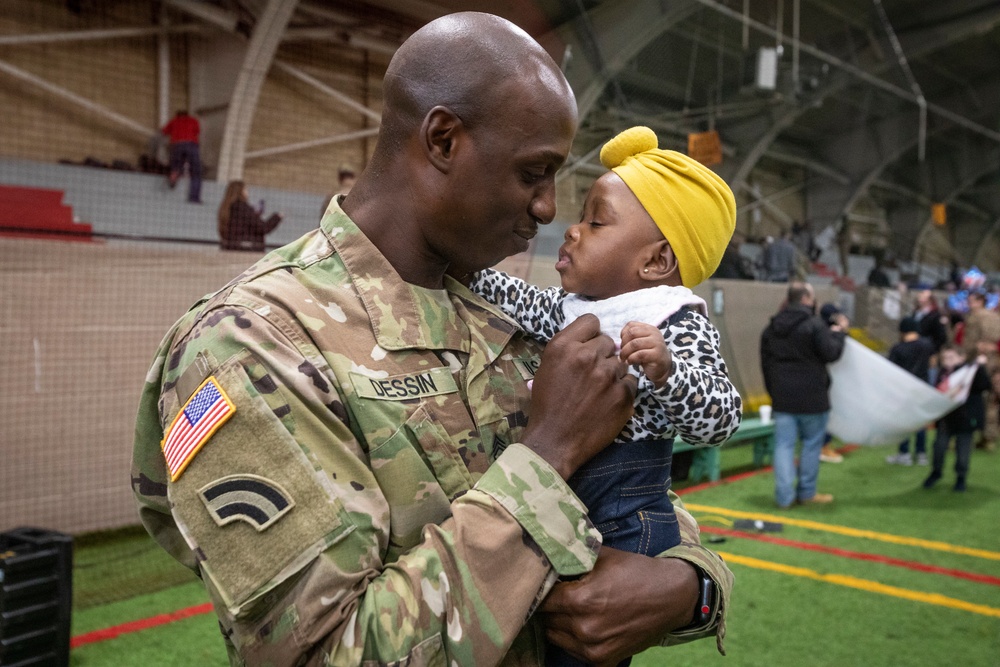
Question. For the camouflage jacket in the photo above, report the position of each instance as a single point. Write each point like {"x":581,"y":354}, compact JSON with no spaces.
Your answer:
{"x":335,"y":453}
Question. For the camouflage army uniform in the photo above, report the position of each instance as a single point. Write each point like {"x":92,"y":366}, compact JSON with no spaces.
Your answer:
{"x":367,"y":500}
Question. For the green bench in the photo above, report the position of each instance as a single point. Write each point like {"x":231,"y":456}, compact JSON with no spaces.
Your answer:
{"x":707,"y":460}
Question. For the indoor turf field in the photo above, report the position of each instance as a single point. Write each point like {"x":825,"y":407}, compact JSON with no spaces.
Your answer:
{"x":889,"y":574}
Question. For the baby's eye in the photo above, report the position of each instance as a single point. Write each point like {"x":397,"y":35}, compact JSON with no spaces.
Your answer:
{"x":595,"y":223}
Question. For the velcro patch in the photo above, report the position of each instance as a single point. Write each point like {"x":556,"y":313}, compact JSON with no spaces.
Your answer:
{"x":405,"y":387}
{"x":203,"y":414}
{"x":250,"y":498}
{"x":527,"y":366}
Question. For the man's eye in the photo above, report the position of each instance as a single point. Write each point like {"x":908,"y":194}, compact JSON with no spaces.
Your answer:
{"x":532,"y":177}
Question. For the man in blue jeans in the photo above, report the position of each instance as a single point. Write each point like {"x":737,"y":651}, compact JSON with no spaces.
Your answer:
{"x":794,"y":351}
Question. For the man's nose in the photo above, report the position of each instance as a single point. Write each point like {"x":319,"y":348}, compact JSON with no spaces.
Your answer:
{"x":543,"y":206}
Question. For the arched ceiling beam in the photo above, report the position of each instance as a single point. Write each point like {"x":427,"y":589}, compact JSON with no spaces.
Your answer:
{"x":910,"y":223}
{"x":90,"y":35}
{"x":263,"y":44}
{"x":312,"y":143}
{"x":221,"y":18}
{"x":344,"y":99}
{"x":622,"y":29}
{"x":764,"y":131}
{"x":73,"y":98}
{"x":864,"y":153}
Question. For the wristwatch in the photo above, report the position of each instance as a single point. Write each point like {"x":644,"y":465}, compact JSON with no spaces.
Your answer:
{"x":704,"y":611}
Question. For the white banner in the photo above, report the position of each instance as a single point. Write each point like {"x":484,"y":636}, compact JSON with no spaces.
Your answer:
{"x":875,"y":402}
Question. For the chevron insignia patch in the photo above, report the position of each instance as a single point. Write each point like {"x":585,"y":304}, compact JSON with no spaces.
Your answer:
{"x":250,"y":498}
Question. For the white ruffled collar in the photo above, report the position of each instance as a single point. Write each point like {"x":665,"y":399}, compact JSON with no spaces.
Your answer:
{"x":652,"y":305}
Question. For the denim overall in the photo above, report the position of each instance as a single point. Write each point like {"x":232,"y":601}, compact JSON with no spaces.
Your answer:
{"x":625,"y":490}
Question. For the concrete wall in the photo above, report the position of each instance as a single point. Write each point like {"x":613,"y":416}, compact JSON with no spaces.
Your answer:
{"x":79,"y":323}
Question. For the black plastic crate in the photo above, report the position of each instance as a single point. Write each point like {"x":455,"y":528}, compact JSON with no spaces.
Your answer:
{"x":36,"y":597}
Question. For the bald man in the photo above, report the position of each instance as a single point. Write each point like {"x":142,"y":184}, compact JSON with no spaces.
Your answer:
{"x":338,"y":441}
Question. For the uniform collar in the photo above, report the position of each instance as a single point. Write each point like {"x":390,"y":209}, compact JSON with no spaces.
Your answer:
{"x":404,"y":315}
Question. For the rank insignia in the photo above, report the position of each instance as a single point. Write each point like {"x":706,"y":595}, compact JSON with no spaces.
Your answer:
{"x":207,"y":410}
{"x":250,"y":498}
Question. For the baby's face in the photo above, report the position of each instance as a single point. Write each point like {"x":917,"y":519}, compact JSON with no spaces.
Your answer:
{"x":603,"y":254}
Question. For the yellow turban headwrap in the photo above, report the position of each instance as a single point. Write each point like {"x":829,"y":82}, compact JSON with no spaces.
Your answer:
{"x":693,"y":207}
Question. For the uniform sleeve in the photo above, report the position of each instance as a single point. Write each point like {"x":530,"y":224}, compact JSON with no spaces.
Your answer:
{"x":698,"y":398}
{"x":691,"y":550}
{"x":535,"y":309}
{"x":288,"y":518}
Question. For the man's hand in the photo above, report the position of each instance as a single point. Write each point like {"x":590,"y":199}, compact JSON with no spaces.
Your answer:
{"x":626,"y":604}
{"x":643,"y":344}
{"x":840,"y":322}
{"x":581,"y":397}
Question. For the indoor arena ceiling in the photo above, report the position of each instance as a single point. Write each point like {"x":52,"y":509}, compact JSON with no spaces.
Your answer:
{"x":854,"y":105}
{"x":894,"y":102}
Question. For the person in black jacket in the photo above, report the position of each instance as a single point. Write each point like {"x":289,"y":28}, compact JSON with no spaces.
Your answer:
{"x":912,"y":353}
{"x":241,"y":227}
{"x":960,"y":422}
{"x":794,"y":351}
{"x":932,"y":324}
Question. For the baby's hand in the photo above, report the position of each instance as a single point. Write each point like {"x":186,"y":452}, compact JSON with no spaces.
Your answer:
{"x":643,"y":344}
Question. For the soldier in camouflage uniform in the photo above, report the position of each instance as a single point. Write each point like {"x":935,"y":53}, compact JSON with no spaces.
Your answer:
{"x":337,"y":442}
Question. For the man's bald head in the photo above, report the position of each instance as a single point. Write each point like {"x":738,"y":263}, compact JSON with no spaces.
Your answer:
{"x":462,"y":61}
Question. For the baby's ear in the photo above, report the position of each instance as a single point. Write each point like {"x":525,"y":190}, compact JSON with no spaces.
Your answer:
{"x":662,"y":265}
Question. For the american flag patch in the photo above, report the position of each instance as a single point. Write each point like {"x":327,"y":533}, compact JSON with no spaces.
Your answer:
{"x":203,"y":414}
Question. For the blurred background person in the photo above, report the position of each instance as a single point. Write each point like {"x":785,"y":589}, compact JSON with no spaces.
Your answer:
{"x":183,"y":130}
{"x":981,"y":338}
{"x":794,"y":351}
{"x":912,"y":353}
{"x":961,"y":422}
{"x":241,"y":227}
{"x":934,"y":324}
{"x":779,"y":259}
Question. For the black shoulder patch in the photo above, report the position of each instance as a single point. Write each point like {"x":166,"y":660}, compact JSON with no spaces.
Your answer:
{"x":251,"y":498}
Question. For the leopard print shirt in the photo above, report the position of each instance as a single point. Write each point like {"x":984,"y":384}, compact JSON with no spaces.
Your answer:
{"x":698,"y":402}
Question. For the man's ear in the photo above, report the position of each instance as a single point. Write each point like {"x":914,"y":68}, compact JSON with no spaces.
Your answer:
{"x":439,"y":134}
{"x":661,"y":267}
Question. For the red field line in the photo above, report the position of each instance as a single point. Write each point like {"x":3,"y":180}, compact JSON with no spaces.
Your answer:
{"x":141,"y":624}
{"x":857,"y":555}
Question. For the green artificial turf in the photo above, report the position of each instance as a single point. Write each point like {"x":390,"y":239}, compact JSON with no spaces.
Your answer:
{"x":776,"y":618}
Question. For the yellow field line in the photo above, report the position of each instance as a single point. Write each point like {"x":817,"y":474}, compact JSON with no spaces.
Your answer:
{"x":864,"y":585}
{"x":852,"y":532}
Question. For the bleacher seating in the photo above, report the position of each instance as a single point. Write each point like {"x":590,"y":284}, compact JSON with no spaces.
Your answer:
{"x":39,"y":213}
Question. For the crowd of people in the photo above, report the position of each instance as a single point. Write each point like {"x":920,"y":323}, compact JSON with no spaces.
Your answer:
{"x":936,"y":345}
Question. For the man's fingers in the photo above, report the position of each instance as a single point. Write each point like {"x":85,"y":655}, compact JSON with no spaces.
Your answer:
{"x":632,"y":385}
{"x":584,"y":328}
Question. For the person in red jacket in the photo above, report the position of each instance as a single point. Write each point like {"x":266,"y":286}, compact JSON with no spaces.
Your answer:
{"x":183,"y":130}
{"x":241,"y":227}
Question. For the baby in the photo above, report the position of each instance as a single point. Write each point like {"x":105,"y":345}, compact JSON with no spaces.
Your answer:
{"x":653,"y":227}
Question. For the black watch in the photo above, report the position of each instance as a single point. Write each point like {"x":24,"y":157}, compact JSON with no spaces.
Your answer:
{"x":703,"y":614}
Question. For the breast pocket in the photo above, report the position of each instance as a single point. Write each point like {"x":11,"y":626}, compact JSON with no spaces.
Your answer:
{"x":419,"y":471}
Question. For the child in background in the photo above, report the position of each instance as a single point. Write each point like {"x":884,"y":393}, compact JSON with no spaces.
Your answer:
{"x":912,"y":353}
{"x":651,"y":229}
{"x":960,"y":422}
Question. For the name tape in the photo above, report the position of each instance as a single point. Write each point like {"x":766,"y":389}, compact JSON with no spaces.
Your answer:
{"x":405,"y":387}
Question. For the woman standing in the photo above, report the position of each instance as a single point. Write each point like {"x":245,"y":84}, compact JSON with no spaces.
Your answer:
{"x":240,"y":226}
